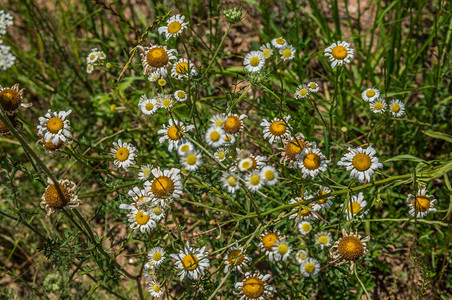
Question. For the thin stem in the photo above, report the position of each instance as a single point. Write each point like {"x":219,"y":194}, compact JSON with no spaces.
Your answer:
{"x":360,"y":282}
{"x":218,"y":49}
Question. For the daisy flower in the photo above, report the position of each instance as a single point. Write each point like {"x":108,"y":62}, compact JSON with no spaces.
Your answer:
{"x":191,"y":262}
{"x":101,"y":55}
{"x":313,"y":87}
{"x":268,"y":239}
{"x":145,"y":172}
{"x":357,"y":203}
{"x":140,"y":219}
{"x":266,"y":50}
{"x":245,"y":164}
{"x":269,"y":175}
{"x":89,"y":68}
{"x":156,"y":256}
{"x":192,"y":161}
{"x":228,"y":140}
{"x":164,"y":101}
{"x":161,"y":82}
{"x":304,"y":227}
{"x":220,"y":154}
{"x":148,"y":106}
{"x":397,"y":108}
{"x":157,"y":209}
{"x":236,"y":259}
{"x":157,"y":58}
{"x":174,"y":26}
{"x":276,"y":129}
{"x":173,"y":133}
{"x":301,"y":256}
{"x":293,"y":147}
{"x":287,"y":52}
{"x":166,"y":184}
{"x":180,"y":95}
{"x":302,"y":91}
{"x":124,"y":154}
{"x":311,"y":161}
{"x":230,"y":182}
{"x":215,"y":137}
{"x":378,"y":106}
{"x":154,"y":289}
{"x":217,"y":120}
{"x":233,"y":124}
{"x":92,"y":57}
{"x":323,"y":239}
{"x":369,"y":95}
{"x":361,"y":162}
{"x":254,"y":61}
{"x":323,"y":203}
{"x":279,"y":42}
{"x":149,"y":271}
{"x":349,"y":248}
{"x":339,"y":53}
{"x":301,"y":213}
{"x":53,"y":200}
{"x":184,"y":147}
{"x":281,"y":250}
{"x":255,"y":286}
{"x":183,"y":69}
{"x":49,"y":145}
{"x":140,"y":199}
{"x":253,"y":181}
{"x":421,"y":204}
{"x":154,"y":76}
{"x":54,"y":126}
{"x":309,"y":267}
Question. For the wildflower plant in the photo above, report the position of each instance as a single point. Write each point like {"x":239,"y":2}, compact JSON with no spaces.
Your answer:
{"x":200,"y":151}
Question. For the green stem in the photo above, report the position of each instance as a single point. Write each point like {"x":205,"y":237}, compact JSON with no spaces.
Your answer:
{"x":361,"y":283}
{"x":218,"y":49}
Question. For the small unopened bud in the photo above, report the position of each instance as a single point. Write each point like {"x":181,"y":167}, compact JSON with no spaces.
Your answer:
{"x":233,"y":15}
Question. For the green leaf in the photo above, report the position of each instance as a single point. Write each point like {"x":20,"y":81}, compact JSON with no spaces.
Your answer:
{"x":439,"y":135}
{"x":405,"y":157}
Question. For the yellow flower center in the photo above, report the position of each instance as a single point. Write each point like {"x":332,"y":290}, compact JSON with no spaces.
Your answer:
{"x":122,"y":153}
{"x":184,"y":148}
{"x":280,"y":41}
{"x":90,"y":67}
{"x":246,"y":165}
{"x":162,"y":186}
{"x":157,"y":256}
{"x":49,"y":145}
{"x":355,"y":207}
{"x":323,"y":239}
{"x":312,"y":161}
{"x":370,"y":93}
{"x":350,"y":248}
{"x":303,"y":91}
{"x":9,"y":99}
{"x":180,"y":95}
{"x":54,"y":125}
{"x":292,"y":149}
{"x":361,"y":162}
{"x":156,"y":288}
{"x":227,"y":139}
{"x":162,"y":82}
{"x":232,"y":125}
{"x":283,"y":248}
{"x":174,"y":27}
{"x":269,"y":239}
{"x":157,"y":210}
{"x":191,"y":159}
{"x":253,"y":287}
{"x":157,"y":57}
{"x":146,"y":172}
{"x":277,"y":128}
{"x":302,"y":255}
{"x":138,"y":201}
{"x":287,"y":53}
{"x":100,"y":54}
{"x":190,"y":262}
{"x":395,"y":108}
{"x":323,"y":200}
{"x":266,"y":53}
{"x":378,"y":105}
{"x":215,"y":136}
{"x":235,"y":255}
{"x":218,"y":123}
{"x":313,"y":86}
{"x":53,"y":198}
{"x":269,"y":175}
{"x":221,"y":155}
{"x":175,"y":132}
{"x":182,"y":68}
{"x":166,"y":102}
{"x":149,"y":106}
{"x":421,"y":203}
{"x":141,"y":217}
{"x":309,"y":267}
{"x":254,"y":61}
{"x":339,"y":52}
{"x":232,"y":181}
{"x":306,"y":227}
{"x":255,"y":179}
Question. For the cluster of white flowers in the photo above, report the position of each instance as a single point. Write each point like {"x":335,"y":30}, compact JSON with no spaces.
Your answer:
{"x":95,"y":57}
{"x":6,"y":58}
